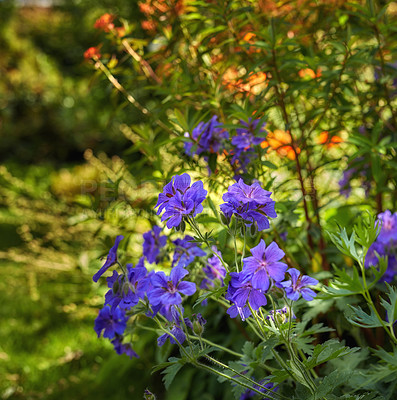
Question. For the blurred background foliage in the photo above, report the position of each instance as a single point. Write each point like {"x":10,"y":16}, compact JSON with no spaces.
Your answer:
{"x":59,"y":199}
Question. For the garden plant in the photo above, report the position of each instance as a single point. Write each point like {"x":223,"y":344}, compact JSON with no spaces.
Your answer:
{"x":257,"y":245}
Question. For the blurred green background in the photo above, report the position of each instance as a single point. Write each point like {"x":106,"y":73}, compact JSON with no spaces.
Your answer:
{"x":52,"y":108}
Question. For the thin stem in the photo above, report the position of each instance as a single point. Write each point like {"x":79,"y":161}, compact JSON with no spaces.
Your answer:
{"x":235,"y":249}
{"x":146,"y":68}
{"x":216,"y":372}
{"x":221,"y":348}
{"x":193,"y":224}
{"x":99,"y":64}
{"x":213,"y":360}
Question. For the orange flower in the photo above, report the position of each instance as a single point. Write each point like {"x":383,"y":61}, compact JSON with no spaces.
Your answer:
{"x":92,"y":52}
{"x":281,"y":142}
{"x":146,"y":8}
{"x":330,"y":142}
{"x":148,"y":26}
{"x":309,"y":73}
{"x":253,"y":84}
{"x":248,"y":36}
{"x":105,"y":22}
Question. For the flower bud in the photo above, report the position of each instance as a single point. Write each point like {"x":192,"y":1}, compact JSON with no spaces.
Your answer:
{"x":224,"y":219}
{"x":148,"y":395}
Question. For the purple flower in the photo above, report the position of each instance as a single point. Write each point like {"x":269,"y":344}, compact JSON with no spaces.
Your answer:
{"x":379,"y":249}
{"x":376,"y":250}
{"x":246,"y":137}
{"x":186,"y":251}
{"x":388,"y":232}
{"x":298,"y":285}
{"x":125,"y":291}
{"x":206,"y":137}
{"x":153,"y":243}
{"x":177,"y":332}
{"x":111,"y":323}
{"x":179,"y":200}
{"x":247,"y":193}
{"x":243,"y":312}
{"x":110,"y":260}
{"x":240,"y":292}
{"x":213,"y":270}
{"x":166,"y":290}
{"x":264,"y":265}
{"x":251,"y":203}
{"x":282,"y":314}
{"x":123,"y":348}
{"x":248,"y":394}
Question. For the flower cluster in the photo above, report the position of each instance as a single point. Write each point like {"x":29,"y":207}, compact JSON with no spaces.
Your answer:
{"x":245,"y":141}
{"x":257,"y":276}
{"x":186,"y":250}
{"x":106,"y":23}
{"x":153,"y":244}
{"x":247,"y":288}
{"x":180,"y":200}
{"x":298,"y":285}
{"x":214,"y":270}
{"x":206,"y":137}
{"x":160,"y":293}
{"x":385,"y":245}
{"x":250,"y":203}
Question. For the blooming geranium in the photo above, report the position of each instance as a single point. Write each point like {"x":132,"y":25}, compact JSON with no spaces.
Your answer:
{"x":126,"y":290}
{"x":110,"y":260}
{"x":176,"y":332}
{"x":385,"y":245}
{"x":298,"y":285}
{"x":244,"y":142}
{"x":110,"y":322}
{"x":153,"y":243}
{"x":213,"y":270}
{"x":241,"y":291}
{"x":180,"y":200}
{"x":388,"y":231}
{"x":206,"y":137}
{"x":167,"y":290}
{"x":264,"y":265}
{"x":246,"y":137}
{"x":186,"y":250}
{"x":262,"y":384}
{"x":123,"y":348}
{"x":251,"y":203}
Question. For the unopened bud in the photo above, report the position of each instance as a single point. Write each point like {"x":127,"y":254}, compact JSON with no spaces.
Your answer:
{"x":225,"y":220}
{"x":116,"y":287}
{"x":148,"y":395}
{"x":253,"y":230}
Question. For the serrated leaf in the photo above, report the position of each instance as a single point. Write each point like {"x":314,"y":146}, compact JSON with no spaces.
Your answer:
{"x":327,"y":351}
{"x":331,"y":382}
{"x":391,"y":305}
{"x":362,"y":319}
{"x":170,"y":373}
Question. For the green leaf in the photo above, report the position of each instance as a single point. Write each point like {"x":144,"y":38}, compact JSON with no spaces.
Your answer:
{"x":216,"y":293}
{"x":362,"y":319}
{"x":331,"y":382}
{"x":345,"y":284}
{"x":170,"y":372}
{"x":327,"y":351}
{"x":390,"y":307}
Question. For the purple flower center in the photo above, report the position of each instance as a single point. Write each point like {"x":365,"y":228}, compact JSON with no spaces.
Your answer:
{"x":171,"y":287}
